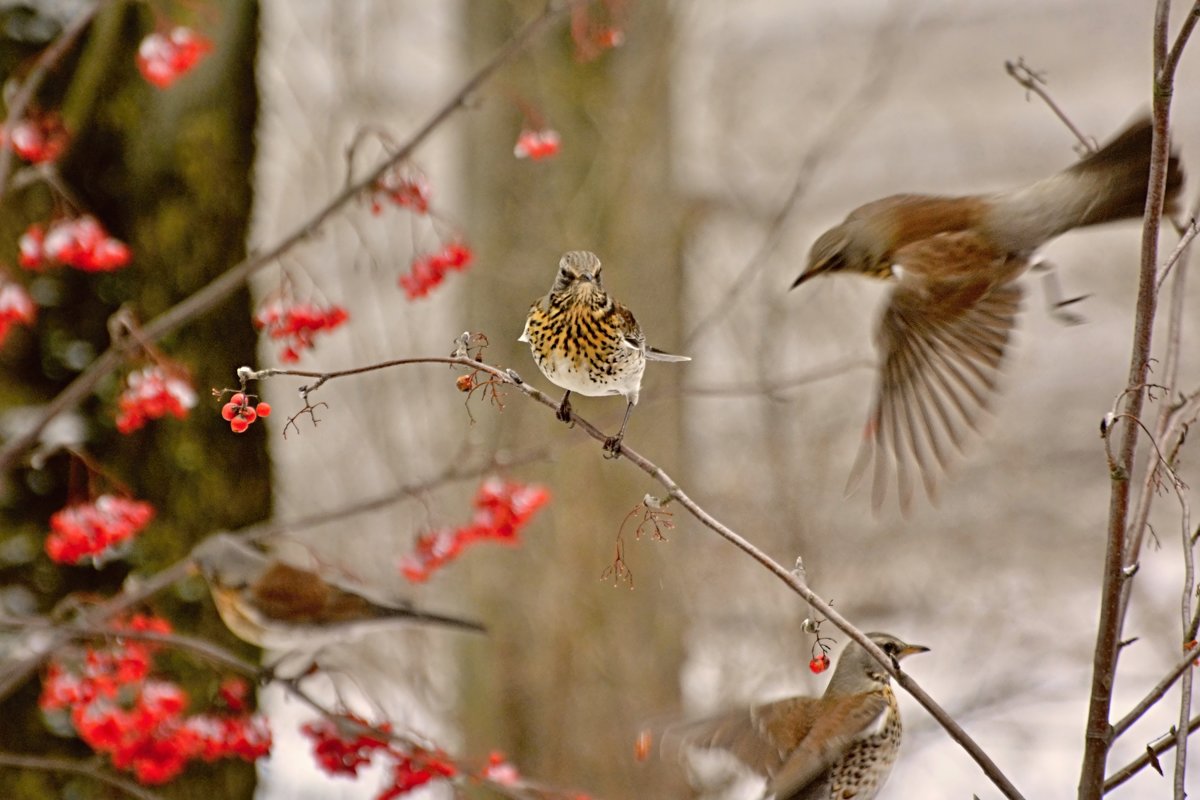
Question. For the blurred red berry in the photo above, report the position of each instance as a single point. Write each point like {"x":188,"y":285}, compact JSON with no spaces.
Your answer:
{"x":16,"y":306}
{"x":151,"y":393}
{"x":164,"y":59}
{"x":536,"y":145}
{"x":297,"y":324}
{"x":502,"y":508}
{"x":819,"y":664}
{"x":96,"y":529}
{"x":263,"y":409}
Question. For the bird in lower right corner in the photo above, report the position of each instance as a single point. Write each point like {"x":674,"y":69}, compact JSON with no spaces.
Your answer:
{"x":953,"y":262}
{"x":839,"y":746}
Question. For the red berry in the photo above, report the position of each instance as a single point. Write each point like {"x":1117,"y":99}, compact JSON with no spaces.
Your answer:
{"x":239,"y":424}
{"x":228,"y":411}
{"x":263,"y":409}
{"x":249,"y":414}
{"x":238,"y":399}
{"x":819,"y":664}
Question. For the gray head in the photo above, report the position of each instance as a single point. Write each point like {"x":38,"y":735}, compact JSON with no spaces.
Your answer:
{"x":858,"y":671}
{"x":836,"y":250}
{"x":577,"y":269}
{"x":229,"y":560}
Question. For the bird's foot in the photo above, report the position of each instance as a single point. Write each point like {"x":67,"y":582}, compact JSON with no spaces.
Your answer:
{"x":564,"y":413}
{"x":612,"y":446}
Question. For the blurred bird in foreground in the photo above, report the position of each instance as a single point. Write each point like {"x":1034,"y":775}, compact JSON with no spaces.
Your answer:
{"x":840,"y":746}
{"x":585,"y":341}
{"x":278,"y":606}
{"x":953,"y":261}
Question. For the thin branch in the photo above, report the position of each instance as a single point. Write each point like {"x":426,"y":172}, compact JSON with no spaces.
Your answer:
{"x":1156,"y":694}
{"x":1153,"y":751}
{"x":1180,"y":251}
{"x":1098,"y":735}
{"x":235,"y":277}
{"x":87,"y":769}
{"x":1034,"y":82}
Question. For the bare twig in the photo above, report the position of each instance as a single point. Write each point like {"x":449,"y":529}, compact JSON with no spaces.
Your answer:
{"x":88,"y":769}
{"x":1035,"y":82}
{"x":1153,"y":751}
{"x":1156,"y":694}
{"x":1098,"y":737}
{"x":235,"y":277}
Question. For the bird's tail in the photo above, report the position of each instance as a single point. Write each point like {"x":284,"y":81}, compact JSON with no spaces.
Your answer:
{"x":654,"y":354}
{"x":415,"y":615}
{"x":1108,"y":185}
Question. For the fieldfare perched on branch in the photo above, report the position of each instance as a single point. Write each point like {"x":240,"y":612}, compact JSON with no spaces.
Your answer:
{"x":278,"y":606}
{"x":953,"y":261}
{"x":840,"y":746}
{"x":585,"y":341}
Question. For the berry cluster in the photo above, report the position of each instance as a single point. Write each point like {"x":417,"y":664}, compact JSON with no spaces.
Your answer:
{"x":297,"y":324}
{"x":340,"y":752}
{"x":108,"y":696}
{"x":37,"y":139}
{"x":536,"y":145}
{"x":239,"y":413}
{"x":150,"y":393}
{"x":79,"y":242}
{"x":404,"y":187}
{"x":163,"y":59}
{"x":16,"y":307}
{"x":430,"y":270}
{"x":502,"y":508}
{"x":97,"y":529}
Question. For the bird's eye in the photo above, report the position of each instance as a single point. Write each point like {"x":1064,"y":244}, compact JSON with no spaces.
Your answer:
{"x":890,"y":649}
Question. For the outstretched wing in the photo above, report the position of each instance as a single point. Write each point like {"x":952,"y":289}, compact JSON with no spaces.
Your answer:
{"x":790,"y":743}
{"x":942,"y":340}
{"x":842,"y":723}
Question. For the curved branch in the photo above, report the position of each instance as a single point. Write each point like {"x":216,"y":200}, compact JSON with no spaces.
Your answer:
{"x":510,"y":377}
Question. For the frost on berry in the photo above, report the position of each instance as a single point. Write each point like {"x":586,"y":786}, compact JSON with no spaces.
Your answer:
{"x":79,"y":242}
{"x":536,"y":145}
{"x":16,"y":306}
{"x":405,"y":187}
{"x":38,"y":138}
{"x":164,"y":58}
{"x":100,"y":530}
{"x":502,"y":509}
{"x":153,"y":392}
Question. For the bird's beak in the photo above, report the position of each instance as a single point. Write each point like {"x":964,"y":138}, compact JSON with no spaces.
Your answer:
{"x":811,"y":272}
{"x":912,"y":650}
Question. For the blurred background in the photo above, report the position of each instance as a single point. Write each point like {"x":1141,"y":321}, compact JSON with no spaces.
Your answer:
{"x":699,"y":160}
